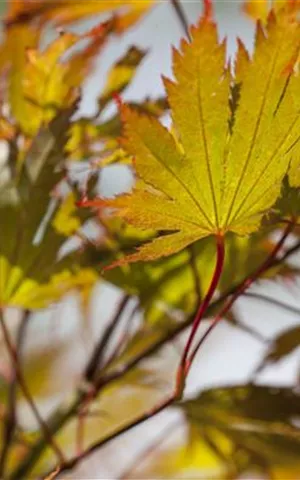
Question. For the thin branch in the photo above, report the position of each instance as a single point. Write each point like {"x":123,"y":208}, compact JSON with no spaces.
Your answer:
{"x":181,"y":17}
{"x":96,"y":361}
{"x":287,"y":254}
{"x":70,"y":464}
{"x":19,"y":375}
{"x":253,"y":333}
{"x":62,"y":415}
{"x":82,"y":412}
{"x":99,"y":350}
{"x":273,"y":301}
{"x":122,"y":341}
{"x":10,"y":423}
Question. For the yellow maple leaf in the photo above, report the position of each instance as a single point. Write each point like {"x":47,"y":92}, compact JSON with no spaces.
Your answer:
{"x":237,"y":134}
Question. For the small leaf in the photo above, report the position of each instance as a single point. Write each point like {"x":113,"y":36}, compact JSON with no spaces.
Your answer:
{"x":284,"y":344}
{"x":121,"y":74}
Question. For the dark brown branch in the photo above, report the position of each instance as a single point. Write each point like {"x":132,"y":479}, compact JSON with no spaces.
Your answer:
{"x":181,"y":16}
{"x":99,"y":350}
{"x":21,"y":381}
{"x":122,"y":341}
{"x":9,"y":426}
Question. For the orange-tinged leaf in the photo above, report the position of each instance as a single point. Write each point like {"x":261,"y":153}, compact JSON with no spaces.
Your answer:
{"x":235,"y":138}
{"x":63,"y":12}
{"x":81,"y":63}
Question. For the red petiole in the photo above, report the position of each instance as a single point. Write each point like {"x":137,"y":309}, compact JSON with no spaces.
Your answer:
{"x":185,"y":359}
{"x":244,"y":286}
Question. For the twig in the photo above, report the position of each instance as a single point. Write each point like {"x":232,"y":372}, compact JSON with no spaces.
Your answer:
{"x":245,"y":328}
{"x":181,"y":16}
{"x":122,"y":341}
{"x":19,"y":376}
{"x":95,"y":362}
{"x":61,"y":416}
{"x":68,"y":465}
{"x":10,"y":423}
{"x":243,"y":286}
{"x":273,"y":301}
{"x":83,"y":410}
{"x":99,"y":350}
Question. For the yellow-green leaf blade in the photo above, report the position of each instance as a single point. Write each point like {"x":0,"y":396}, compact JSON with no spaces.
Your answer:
{"x":200,"y":111}
{"x":264,"y":127}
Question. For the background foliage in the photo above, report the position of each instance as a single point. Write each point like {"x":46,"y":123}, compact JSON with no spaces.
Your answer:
{"x":70,"y":386}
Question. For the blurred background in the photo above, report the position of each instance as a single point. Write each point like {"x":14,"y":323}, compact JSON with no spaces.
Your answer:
{"x":229,"y":356}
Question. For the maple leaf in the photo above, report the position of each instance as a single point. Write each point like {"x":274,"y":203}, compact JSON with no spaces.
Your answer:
{"x":236,"y":136}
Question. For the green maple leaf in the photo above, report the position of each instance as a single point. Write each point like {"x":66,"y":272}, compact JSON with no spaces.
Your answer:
{"x":255,"y":420}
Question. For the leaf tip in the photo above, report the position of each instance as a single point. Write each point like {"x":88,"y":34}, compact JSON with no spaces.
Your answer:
{"x":207,"y":10}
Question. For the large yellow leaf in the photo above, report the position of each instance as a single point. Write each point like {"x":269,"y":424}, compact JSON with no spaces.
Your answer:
{"x":235,"y":139}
